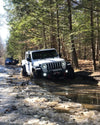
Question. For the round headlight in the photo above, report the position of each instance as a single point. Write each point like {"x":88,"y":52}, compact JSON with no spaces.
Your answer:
{"x":64,"y":65}
{"x":44,"y":67}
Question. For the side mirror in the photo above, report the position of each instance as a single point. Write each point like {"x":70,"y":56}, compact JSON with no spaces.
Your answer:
{"x":28,"y":59}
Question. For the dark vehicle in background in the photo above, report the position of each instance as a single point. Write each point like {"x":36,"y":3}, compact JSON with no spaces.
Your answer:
{"x":11,"y":61}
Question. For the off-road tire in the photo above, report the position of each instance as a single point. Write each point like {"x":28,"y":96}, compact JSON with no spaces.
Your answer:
{"x":24,"y":73}
{"x":71,"y":74}
{"x":36,"y":74}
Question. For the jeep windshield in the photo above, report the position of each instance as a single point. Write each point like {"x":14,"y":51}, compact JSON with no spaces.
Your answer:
{"x":44,"y":54}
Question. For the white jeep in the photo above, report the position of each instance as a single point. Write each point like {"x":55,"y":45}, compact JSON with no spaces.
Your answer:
{"x":45,"y":63}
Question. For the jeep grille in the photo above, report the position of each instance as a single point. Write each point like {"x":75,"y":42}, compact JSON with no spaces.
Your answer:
{"x":54,"y":65}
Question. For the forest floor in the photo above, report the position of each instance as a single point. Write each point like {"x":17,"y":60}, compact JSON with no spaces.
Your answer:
{"x":86,"y":68}
{"x":87,"y":65}
{"x":25,"y":101}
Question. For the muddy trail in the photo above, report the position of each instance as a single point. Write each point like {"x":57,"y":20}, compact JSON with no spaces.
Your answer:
{"x":25,"y":101}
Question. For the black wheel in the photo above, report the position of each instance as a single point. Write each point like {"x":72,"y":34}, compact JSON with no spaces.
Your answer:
{"x":36,"y":74}
{"x":71,"y":74}
{"x":24,"y":73}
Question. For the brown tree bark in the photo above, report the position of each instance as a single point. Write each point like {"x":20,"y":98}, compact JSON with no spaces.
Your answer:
{"x":58,"y":39}
{"x":74,"y":55}
{"x":98,"y":38}
{"x":92,"y":37}
{"x":44,"y":37}
{"x":52,"y":28}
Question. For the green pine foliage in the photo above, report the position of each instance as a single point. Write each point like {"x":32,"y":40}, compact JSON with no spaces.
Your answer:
{"x":37,"y":24}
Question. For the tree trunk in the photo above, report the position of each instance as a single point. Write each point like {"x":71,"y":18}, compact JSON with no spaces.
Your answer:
{"x":58,"y":39}
{"x":98,"y":38}
{"x":64,"y":50}
{"x":92,"y":37}
{"x":74,"y":55}
{"x":44,"y":37}
{"x":85,"y":52}
{"x":52,"y":28}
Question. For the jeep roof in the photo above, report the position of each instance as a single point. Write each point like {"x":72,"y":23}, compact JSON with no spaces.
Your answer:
{"x":27,"y":52}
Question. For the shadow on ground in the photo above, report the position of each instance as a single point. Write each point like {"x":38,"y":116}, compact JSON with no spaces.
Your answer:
{"x":81,"y":77}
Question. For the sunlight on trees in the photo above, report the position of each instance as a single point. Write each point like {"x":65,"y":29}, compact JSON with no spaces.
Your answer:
{"x":72,"y":27}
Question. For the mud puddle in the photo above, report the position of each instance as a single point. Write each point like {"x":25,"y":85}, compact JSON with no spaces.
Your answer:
{"x":89,"y":98}
{"x":85,"y":94}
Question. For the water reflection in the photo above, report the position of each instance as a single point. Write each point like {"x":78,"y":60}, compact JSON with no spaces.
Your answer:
{"x":88,"y":95}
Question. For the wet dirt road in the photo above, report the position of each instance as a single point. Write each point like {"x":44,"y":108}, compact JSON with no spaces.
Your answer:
{"x":25,"y":101}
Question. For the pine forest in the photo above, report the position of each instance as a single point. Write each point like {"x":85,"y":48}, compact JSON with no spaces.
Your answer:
{"x":70,"y":26}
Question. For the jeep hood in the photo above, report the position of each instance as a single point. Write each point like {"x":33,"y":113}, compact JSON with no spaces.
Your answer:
{"x":47,"y":60}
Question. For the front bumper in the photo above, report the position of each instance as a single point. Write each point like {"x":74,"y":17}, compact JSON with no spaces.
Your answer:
{"x":55,"y":73}
{"x":51,"y":73}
